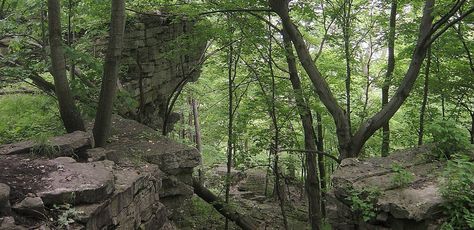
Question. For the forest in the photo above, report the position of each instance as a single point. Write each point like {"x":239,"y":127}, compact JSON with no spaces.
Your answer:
{"x":305,"y":114}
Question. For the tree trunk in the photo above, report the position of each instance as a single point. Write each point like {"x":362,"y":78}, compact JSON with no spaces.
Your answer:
{"x":346,"y":25}
{"x":425,"y":98}
{"x":312,"y":179}
{"x":472,"y":128}
{"x":321,"y":163}
{"x":108,"y":90}
{"x":388,"y":76}
{"x":243,"y":221}
{"x":70,"y":115}
{"x":70,"y":37}
{"x":230,"y":126}
{"x":197,"y":128}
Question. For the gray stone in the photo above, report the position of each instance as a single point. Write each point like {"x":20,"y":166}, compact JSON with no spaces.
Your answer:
{"x":67,"y":144}
{"x":99,"y":154}
{"x":4,"y":199}
{"x":30,"y":206}
{"x":78,"y":183}
{"x":408,"y":207}
{"x":155,"y":42}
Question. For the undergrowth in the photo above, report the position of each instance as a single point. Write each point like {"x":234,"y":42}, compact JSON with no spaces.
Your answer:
{"x":457,"y":189}
{"x":24,"y":117}
{"x":401,"y":177}
{"x":362,"y":202}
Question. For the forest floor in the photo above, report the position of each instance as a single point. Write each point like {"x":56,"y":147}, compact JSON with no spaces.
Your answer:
{"x":22,"y":174}
{"x":248,"y":197}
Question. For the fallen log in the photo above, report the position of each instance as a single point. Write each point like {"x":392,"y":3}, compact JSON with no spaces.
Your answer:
{"x":243,"y":221}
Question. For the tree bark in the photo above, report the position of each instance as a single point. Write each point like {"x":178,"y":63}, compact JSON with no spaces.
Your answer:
{"x":425,"y":98}
{"x":243,"y":221}
{"x":388,"y":76}
{"x":312,"y":179}
{"x":108,"y":89}
{"x":70,"y":115}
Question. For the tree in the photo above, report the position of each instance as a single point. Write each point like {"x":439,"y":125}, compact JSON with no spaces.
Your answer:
{"x":108,"y":90}
{"x":312,"y":181}
{"x":351,"y":145}
{"x":69,"y":114}
{"x":388,"y":76}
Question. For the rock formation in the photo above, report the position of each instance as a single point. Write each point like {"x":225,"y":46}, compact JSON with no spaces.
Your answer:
{"x":137,"y":182}
{"x":161,"y":54}
{"x":414,"y":205}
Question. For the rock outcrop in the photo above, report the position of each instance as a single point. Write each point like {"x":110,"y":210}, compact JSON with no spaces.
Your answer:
{"x":134,"y":142}
{"x":136,"y":182}
{"x":161,"y":54}
{"x":413,"y":205}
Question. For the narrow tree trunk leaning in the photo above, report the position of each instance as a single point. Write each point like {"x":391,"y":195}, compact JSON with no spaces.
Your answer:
{"x":279,"y":188}
{"x":388,"y":76}
{"x":312,"y":179}
{"x":243,"y":221}
{"x":321,"y":163}
{"x":70,"y":115}
{"x":425,"y":98}
{"x":472,"y":128}
{"x":230,"y":127}
{"x":108,"y":89}
{"x":197,"y":128}
{"x":351,"y":145}
{"x":197,"y":133}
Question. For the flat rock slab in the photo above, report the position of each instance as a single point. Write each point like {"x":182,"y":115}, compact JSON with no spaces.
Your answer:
{"x":77,"y":183}
{"x":131,"y":139}
{"x":67,"y":143}
{"x":417,"y":201}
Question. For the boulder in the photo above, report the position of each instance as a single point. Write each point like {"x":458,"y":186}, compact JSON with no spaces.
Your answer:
{"x":414,"y":205}
{"x":30,"y":206}
{"x":4,"y":199}
{"x":8,"y":223}
{"x":99,"y":154}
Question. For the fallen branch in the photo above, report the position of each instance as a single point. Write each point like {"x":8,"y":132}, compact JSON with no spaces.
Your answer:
{"x":311,"y":151}
{"x":243,"y":221}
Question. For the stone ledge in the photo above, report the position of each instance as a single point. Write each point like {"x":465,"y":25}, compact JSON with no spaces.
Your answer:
{"x":416,"y":205}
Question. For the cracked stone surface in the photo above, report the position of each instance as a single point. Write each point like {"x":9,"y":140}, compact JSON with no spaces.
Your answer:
{"x":77,"y":183}
{"x":416,"y":204}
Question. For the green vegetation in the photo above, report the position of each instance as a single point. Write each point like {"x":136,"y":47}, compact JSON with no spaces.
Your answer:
{"x":24,"y":117}
{"x":43,"y":147}
{"x":67,"y":215}
{"x":363,"y":202}
{"x":448,"y":137}
{"x":458,"y":191}
{"x":401,"y":177}
{"x":289,"y":88}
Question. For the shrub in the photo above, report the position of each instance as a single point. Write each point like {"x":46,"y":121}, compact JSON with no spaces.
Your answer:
{"x":363,"y":202}
{"x":401,"y":176}
{"x":457,"y":189}
{"x":448,"y":137}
